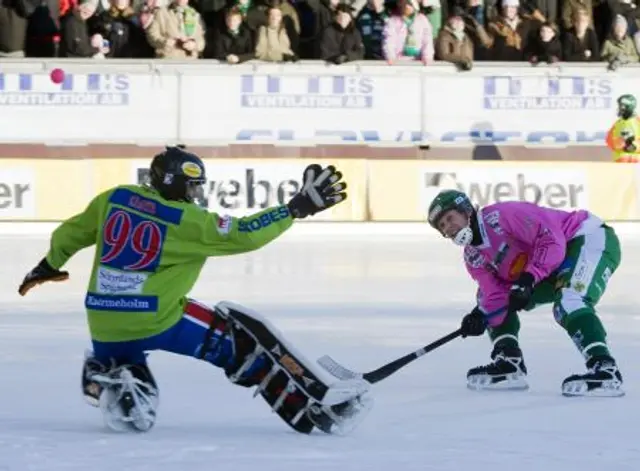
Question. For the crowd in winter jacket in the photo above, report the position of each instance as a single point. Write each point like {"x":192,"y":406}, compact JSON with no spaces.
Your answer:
{"x":337,"y":31}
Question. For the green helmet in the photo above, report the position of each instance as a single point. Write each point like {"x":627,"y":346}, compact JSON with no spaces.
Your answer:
{"x":626,"y":106}
{"x":446,"y":200}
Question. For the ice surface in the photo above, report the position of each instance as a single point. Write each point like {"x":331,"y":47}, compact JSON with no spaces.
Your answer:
{"x":364,"y":300}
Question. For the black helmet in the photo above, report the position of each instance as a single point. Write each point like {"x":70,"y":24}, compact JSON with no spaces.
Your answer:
{"x":178,"y":175}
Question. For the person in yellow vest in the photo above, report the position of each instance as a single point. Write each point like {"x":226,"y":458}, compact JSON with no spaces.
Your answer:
{"x":624,"y":136}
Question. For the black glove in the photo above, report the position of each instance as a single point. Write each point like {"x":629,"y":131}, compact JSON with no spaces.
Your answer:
{"x":321,"y":189}
{"x":630,"y":144}
{"x":521,"y":292}
{"x":41,"y":274}
{"x":473,"y":324}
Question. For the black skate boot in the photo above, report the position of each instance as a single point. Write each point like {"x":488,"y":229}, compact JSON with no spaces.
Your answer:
{"x":91,"y":389}
{"x":603,"y":379}
{"x":507,"y":371}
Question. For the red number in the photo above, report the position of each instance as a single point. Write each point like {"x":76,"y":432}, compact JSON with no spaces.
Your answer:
{"x":116,"y":235}
{"x":146,"y":240}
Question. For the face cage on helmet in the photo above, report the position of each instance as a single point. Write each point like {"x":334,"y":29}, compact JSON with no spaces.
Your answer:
{"x":194,"y":191}
{"x":458,"y":207}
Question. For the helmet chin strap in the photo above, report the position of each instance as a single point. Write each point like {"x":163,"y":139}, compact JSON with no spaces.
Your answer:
{"x":463,"y":237}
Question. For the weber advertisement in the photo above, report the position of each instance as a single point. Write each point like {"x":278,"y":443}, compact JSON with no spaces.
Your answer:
{"x":17,"y":198}
{"x":243,"y":188}
{"x":558,"y":189}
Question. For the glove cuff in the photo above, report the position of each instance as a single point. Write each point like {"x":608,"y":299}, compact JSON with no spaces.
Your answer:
{"x":45,"y":265}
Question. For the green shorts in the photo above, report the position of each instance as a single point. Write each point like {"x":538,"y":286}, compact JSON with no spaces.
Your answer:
{"x":578,"y":284}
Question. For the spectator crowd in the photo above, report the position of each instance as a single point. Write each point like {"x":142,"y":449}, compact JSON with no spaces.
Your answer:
{"x":234,"y":31}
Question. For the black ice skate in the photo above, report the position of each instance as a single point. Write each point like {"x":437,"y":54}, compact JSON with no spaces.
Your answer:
{"x":91,"y":389}
{"x":603,"y":379}
{"x":507,"y":372}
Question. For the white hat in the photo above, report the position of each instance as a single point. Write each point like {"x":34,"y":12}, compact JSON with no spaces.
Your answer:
{"x":510,"y":3}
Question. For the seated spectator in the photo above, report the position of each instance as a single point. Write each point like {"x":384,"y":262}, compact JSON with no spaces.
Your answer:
{"x":177,"y":32}
{"x":619,"y":48}
{"x":432,"y":9}
{"x":13,"y":27}
{"x":233,"y":44}
{"x":545,"y":46}
{"x":341,"y":41}
{"x":273,"y":42}
{"x":324,"y":13}
{"x":254,"y":15}
{"x":76,"y":38}
{"x":146,"y":16}
{"x":43,"y":26}
{"x":571,"y":8}
{"x":408,"y":35}
{"x":580,"y":43}
{"x":453,"y":45}
{"x":475,"y":9}
{"x":630,"y":11}
{"x":478,"y":35}
{"x":510,"y":33}
{"x":120,"y":26}
{"x":291,"y":22}
{"x":370,"y":22}
{"x":148,"y":12}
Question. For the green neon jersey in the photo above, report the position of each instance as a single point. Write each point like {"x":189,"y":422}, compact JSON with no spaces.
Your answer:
{"x":149,"y":254}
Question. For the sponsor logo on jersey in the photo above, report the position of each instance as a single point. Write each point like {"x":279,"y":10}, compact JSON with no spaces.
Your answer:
{"x":117,"y":282}
{"x":192,"y":170}
{"x":264,"y":220}
{"x":224,"y":224}
{"x":473,"y":258}
{"x":493,"y":220}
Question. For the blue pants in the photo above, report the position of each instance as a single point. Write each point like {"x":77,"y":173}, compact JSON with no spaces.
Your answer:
{"x":184,"y":338}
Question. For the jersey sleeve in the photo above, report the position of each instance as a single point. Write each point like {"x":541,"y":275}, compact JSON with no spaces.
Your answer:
{"x":545,"y":237}
{"x":492,"y":295}
{"x":76,"y":233}
{"x":211,"y":234}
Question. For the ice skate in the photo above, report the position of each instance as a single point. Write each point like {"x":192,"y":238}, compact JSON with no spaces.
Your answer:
{"x":506,"y":372}
{"x":91,"y":389}
{"x":129,"y":398}
{"x":603,"y":379}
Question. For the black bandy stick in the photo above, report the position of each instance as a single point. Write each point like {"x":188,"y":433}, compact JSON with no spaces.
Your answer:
{"x":341,"y":372}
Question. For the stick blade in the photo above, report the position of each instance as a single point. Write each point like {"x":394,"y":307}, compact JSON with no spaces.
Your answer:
{"x":336,"y":370}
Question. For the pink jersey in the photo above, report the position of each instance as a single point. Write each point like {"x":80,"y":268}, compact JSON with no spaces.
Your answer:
{"x":517,"y":237}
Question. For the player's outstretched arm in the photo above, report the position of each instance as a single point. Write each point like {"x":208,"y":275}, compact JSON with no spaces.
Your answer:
{"x":322,"y":189}
{"x":73,"y":235}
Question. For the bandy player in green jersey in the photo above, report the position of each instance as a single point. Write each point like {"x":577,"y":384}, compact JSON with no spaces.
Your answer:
{"x":151,"y":244}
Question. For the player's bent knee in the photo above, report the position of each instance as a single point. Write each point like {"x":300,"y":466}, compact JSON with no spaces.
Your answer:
{"x":570,"y":303}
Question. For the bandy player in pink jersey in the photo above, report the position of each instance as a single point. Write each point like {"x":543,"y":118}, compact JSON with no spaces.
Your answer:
{"x":522,"y":256}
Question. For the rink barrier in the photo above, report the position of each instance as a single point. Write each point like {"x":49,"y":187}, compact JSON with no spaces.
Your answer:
{"x":51,"y":190}
{"x":368,"y":102}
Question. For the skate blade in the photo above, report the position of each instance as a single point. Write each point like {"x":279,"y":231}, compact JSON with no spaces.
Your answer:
{"x":581,"y":389}
{"x":114,"y":418}
{"x":511,"y":382}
